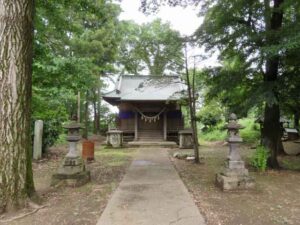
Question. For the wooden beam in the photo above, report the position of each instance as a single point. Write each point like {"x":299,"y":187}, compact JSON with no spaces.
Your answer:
{"x":165,"y":125}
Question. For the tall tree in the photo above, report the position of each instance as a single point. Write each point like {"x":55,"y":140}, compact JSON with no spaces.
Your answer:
{"x":190,"y":81}
{"x":264,"y":34}
{"x":16,"y":41}
{"x":75,"y":42}
{"x":271,"y":127}
{"x":153,"y":46}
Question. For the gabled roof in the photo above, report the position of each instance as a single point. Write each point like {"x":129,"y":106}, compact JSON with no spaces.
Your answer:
{"x":146,"y":88}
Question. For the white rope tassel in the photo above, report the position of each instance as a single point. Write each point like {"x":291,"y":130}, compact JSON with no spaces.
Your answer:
{"x":150,"y":118}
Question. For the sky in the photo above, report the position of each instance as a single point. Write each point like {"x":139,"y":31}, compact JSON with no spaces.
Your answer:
{"x":185,"y":20}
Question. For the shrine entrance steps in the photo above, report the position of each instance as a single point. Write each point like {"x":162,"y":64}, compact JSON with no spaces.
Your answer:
{"x":153,"y":143}
{"x":150,"y":135}
{"x":148,"y":138}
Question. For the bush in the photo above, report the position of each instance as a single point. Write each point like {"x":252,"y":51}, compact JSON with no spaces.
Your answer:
{"x":216,"y":133}
{"x":51,"y":131}
{"x":259,"y":158}
{"x":251,"y":132}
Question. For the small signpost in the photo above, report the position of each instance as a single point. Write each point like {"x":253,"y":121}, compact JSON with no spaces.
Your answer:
{"x":38,"y":139}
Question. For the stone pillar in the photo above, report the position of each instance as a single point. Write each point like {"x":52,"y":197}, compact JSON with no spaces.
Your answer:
{"x":136,"y":136}
{"x":234,"y":176}
{"x":165,"y":125}
{"x":38,"y":139}
{"x":115,"y":138}
{"x":185,"y":139}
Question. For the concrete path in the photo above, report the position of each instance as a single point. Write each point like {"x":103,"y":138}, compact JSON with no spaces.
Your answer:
{"x":151,"y":193}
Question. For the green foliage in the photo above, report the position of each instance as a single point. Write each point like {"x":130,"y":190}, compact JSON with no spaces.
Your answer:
{"x":52,"y":130}
{"x":259,"y":158}
{"x":153,"y":46}
{"x":51,"y":107}
{"x":61,"y":139}
{"x":75,"y":42}
{"x":251,"y":131}
{"x":210,"y":114}
{"x":214,"y":135}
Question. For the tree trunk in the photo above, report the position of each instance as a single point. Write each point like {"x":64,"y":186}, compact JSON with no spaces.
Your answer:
{"x":86,"y":116}
{"x":96,"y":106}
{"x":296,"y":119}
{"x":192,"y":111}
{"x":78,"y":107}
{"x":271,"y":135}
{"x":98,"y":128}
{"x":95,"y":116}
{"x":16,"y":40}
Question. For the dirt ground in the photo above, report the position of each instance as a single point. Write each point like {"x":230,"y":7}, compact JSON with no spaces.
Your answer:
{"x":276,"y":199}
{"x":73,"y":206}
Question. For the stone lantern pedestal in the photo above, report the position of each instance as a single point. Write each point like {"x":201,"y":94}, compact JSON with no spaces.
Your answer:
{"x":115,"y":138}
{"x":185,"y":139}
{"x":234,"y":176}
{"x":72,"y":171}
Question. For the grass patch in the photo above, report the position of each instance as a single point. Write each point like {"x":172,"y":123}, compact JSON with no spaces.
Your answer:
{"x":114,"y":152}
{"x":214,"y":135}
{"x":114,"y":157}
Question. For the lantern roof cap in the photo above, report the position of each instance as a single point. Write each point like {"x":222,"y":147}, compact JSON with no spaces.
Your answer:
{"x":72,"y":125}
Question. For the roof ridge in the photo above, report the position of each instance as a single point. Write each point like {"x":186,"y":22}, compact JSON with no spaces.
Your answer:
{"x":152,"y":76}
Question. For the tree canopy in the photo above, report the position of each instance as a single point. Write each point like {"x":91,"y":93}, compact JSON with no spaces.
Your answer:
{"x":154,"y":47}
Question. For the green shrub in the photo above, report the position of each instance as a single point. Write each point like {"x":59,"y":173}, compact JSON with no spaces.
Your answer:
{"x":51,"y":131}
{"x":216,"y":134}
{"x":61,"y":139}
{"x":251,"y":132}
{"x":259,"y":158}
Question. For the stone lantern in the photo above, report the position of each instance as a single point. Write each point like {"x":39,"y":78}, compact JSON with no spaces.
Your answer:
{"x":72,"y":170}
{"x":234,"y":176}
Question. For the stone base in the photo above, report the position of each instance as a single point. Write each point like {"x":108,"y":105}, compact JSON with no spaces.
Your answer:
{"x":185,"y":140}
{"x":234,"y":182}
{"x":238,"y":164}
{"x":71,"y":172}
{"x":74,"y":180}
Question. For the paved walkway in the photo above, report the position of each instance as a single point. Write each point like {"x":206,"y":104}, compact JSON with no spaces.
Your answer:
{"x":151,"y":193}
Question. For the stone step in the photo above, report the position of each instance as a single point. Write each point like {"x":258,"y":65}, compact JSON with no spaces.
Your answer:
{"x":139,"y":143}
{"x":141,"y":136}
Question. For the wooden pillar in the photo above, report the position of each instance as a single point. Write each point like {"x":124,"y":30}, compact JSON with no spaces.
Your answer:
{"x":165,"y":125}
{"x":136,"y":126}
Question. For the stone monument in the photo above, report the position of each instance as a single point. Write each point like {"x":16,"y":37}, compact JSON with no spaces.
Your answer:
{"x":234,"y":176}
{"x":186,"y":139}
{"x":115,"y":138}
{"x":72,"y":171}
{"x":38,"y":139}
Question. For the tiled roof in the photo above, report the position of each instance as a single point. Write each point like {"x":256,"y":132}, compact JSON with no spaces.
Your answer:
{"x":147,"y":88}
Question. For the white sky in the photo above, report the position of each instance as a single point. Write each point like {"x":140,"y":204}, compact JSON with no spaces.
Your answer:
{"x":185,"y":20}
